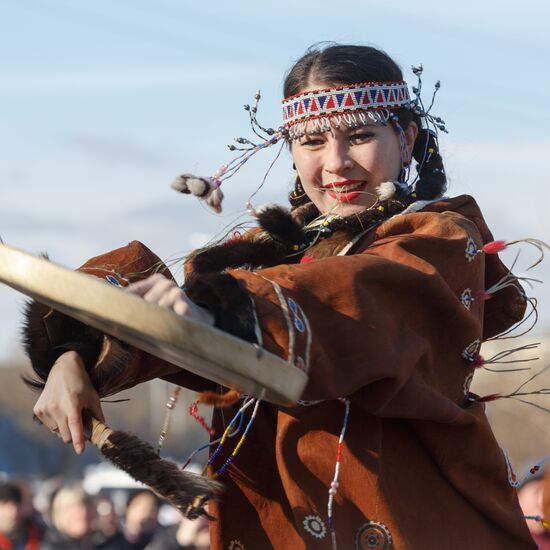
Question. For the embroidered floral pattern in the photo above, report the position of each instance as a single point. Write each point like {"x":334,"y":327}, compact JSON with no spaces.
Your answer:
{"x":471,"y":351}
{"x":113,"y":280}
{"x":236,"y":545}
{"x":315,"y":526}
{"x":373,"y":535}
{"x":296,"y":310}
{"x":466,"y":298}
{"x":471,"y":249}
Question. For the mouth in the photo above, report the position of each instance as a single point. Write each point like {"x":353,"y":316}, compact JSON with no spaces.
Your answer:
{"x":345,"y":191}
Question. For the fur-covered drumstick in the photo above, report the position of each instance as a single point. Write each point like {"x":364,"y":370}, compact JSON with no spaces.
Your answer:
{"x":186,"y":491}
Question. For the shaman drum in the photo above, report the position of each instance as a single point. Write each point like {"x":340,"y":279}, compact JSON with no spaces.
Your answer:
{"x":189,"y":344}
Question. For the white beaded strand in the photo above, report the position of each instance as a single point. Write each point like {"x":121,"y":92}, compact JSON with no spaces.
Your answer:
{"x":334,"y":483}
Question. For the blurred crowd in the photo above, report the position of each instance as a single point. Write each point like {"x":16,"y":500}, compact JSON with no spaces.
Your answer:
{"x":72,"y":519}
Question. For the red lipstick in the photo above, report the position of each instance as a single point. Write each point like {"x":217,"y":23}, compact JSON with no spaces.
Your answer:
{"x":356,"y":187}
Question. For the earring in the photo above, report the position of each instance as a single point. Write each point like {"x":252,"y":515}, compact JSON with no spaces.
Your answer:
{"x":294,"y":166}
{"x":298,"y":192}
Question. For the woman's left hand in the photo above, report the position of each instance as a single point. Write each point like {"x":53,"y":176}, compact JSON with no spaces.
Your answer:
{"x":166,"y":293}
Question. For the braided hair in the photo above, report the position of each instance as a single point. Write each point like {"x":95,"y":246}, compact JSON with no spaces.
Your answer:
{"x":432,"y":182}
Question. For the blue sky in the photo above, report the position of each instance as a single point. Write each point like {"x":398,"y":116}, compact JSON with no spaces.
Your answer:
{"x":102,"y":103}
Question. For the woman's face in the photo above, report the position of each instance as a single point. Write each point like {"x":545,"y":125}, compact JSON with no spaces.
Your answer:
{"x":340,"y":170}
{"x":76,"y":520}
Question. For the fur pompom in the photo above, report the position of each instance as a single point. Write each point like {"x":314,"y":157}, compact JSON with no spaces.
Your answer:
{"x":215,"y":199}
{"x":305,"y":213}
{"x":206,"y":189}
{"x":227,"y":299}
{"x":386,"y":190}
{"x":189,"y":184}
{"x":269,"y":206}
{"x":238,"y":253}
{"x":279,"y":223}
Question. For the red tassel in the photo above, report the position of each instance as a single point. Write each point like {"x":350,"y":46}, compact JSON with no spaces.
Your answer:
{"x":481,"y":295}
{"x":490,"y":397}
{"x":306,"y":259}
{"x":478,"y":361}
{"x":494,"y":247}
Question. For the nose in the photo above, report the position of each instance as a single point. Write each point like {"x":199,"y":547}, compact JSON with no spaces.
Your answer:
{"x":338,"y":157}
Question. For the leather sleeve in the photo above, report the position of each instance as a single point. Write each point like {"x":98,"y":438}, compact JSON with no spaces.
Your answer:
{"x":112,"y":365}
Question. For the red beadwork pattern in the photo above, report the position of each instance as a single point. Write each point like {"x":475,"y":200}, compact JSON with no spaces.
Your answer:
{"x":193,"y":411}
{"x":344,"y":99}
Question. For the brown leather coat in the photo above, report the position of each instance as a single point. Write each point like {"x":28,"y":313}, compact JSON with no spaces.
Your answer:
{"x":387,"y":326}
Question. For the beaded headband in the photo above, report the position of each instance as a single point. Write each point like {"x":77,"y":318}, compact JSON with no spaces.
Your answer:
{"x":351,"y":104}
{"x":315,"y":111}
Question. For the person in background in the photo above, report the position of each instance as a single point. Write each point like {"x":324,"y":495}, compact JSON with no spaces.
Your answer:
{"x":141,"y":519}
{"x":532,"y":499}
{"x":185,"y":535}
{"x":32,"y":519}
{"x":15,"y":533}
{"x":72,"y":515}
{"x":107,"y":520}
{"x":107,"y":529}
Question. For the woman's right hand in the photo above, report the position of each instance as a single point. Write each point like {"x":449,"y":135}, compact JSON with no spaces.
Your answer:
{"x":67,"y":393}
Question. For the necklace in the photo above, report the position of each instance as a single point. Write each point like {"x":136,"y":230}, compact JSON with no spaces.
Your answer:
{"x":324,"y":226}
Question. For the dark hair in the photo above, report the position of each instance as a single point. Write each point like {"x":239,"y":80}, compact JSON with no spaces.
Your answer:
{"x":337,"y":64}
{"x":334,"y":64}
{"x":9,"y":492}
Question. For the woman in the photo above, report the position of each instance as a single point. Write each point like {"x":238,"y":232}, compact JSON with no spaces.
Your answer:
{"x":370,"y":286}
{"x":73,"y":516}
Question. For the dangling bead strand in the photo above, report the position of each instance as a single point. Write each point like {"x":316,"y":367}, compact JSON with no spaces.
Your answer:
{"x":193,"y":411}
{"x":226,"y":433}
{"x":545,"y":523}
{"x":334,"y":483}
{"x":214,"y":442}
{"x":232,"y":456}
{"x":537,"y":467}
{"x":170,"y":405}
{"x":494,"y":247}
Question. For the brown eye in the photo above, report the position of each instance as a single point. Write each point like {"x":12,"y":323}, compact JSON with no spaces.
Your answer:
{"x":311,"y":142}
{"x":361,"y":137}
